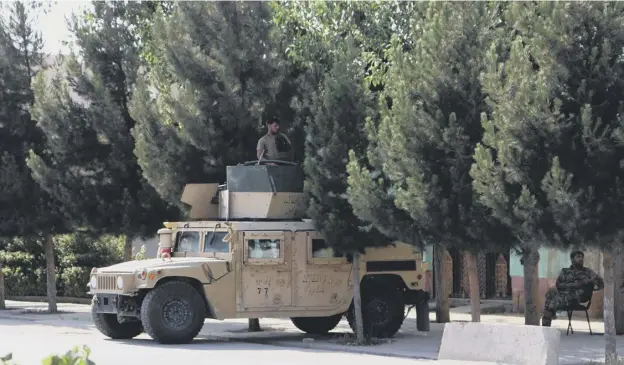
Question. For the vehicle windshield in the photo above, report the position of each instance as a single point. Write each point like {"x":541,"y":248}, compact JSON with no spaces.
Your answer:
{"x":214,"y":242}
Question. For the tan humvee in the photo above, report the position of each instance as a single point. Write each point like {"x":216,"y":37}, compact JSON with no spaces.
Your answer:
{"x":249,"y":253}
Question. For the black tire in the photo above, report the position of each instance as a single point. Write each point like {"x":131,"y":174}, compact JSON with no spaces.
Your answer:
{"x":383,"y":312}
{"x":164,"y":301}
{"x":108,"y":325}
{"x":316,"y":325}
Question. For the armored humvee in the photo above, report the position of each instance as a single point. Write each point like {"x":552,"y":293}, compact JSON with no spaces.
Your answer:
{"x":249,"y":252}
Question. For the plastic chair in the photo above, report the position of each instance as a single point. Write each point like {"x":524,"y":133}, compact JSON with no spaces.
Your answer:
{"x":585,"y":298}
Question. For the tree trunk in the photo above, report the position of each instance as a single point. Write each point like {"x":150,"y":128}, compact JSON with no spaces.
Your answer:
{"x":50,"y":273}
{"x":2,"y":292}
{"x":357,"y":299}
{"x":618,"y":284}
{"x":443,"y":308}
{"x":473,"y":279}
{"x":530,"y":259}
{"x":609,"y":317}
{"x":254,"y":325}
{"x":127,"y":254}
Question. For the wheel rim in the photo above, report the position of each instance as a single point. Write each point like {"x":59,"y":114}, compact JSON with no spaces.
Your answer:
{"x":176,"y":314}
{"x":378,"y":312}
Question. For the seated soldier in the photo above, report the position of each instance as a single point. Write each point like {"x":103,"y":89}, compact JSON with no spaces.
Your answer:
{"x":572,"y":285}
{"x":274,"y":145}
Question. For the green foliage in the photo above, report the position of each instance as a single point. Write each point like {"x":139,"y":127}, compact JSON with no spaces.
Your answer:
{"x":78,"y":254}
{"x":339,"y":110}
{"x":24,"y":208}
{"x":202,"y":105}
{"x":7,"y":360}
{"x":23,"y":263}
{"x":311,"y":29}
{"x":584,"y":185}
{"x":141,"y":254}
{"x":89,"y":162}
{"x":550,"y":162}
{"x":79,"y":355}
{"x":417,"y":186}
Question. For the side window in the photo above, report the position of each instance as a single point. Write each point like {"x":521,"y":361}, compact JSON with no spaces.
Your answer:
{"x":187,"y":241}
{"x":320,"y":249}
{"x":264,"y":248}
{"x":214,"y":242}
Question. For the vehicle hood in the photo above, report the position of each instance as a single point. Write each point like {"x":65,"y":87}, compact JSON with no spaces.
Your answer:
{"x":132,"y":266}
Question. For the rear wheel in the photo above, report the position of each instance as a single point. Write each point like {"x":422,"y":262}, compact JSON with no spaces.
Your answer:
{"x":173,"y":313}
{"x":109,"y":326}
{"x":316,"y":325}
{"x":383,"y":311}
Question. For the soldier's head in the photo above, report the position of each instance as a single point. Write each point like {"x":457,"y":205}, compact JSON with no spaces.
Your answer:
{"x":273,"y":125}
{"x":577,"y":258}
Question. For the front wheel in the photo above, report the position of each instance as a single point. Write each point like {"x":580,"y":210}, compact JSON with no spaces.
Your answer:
{"x":173,"y":313}
{"x":316,"y":325}
{"x":109,"y":326}
{"x":383,"y":312}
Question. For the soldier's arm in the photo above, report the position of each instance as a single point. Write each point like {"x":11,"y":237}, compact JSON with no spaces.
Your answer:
{"x":260,"y":148}
{"x":598,"y":281}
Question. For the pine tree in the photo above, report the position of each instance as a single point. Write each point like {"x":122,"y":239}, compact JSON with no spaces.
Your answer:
{"x":25,"y":209}
{"x":423,"y":143}
{"x":549,"y":165}
{"x":90,"y":160}
{"x":520,"y":138}
{"x":215,"y":78}
{"x":339,"y":110}
{"x":584,"y":185}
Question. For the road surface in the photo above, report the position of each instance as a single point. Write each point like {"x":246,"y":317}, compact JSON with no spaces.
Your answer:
{"x":30,"y":341}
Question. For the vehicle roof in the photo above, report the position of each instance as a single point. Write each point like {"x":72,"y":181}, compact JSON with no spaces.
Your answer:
{"x":302,"y":225}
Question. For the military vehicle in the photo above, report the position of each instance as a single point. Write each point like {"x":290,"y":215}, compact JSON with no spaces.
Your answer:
{"x":248,"y":251}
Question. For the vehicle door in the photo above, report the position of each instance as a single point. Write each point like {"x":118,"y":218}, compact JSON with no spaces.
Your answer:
{"x":321,"y":275}
{"x":265,"y":271}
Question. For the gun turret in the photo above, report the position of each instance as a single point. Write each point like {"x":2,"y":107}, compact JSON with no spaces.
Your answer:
{"x":253,"y":190}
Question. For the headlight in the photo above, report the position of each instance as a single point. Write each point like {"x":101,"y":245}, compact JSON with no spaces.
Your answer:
{"x":120,"y":283}
{"x":93,"y":282}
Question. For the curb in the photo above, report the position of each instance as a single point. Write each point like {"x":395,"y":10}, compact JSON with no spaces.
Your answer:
{"x":39,"y":299}
{"x":363,"y":350}
{"x":309,"y":343}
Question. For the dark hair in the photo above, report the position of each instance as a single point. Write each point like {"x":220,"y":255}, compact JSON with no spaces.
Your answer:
{"x":574,"y":253}
{"x":272,"y":120}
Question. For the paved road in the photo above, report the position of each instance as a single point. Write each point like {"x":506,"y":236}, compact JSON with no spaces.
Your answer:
{"x":31,"y":341}
{"x":31,"y":336}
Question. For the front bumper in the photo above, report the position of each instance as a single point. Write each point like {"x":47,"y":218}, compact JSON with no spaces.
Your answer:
{"x":106,"y":303}
{"x":122,"y":305}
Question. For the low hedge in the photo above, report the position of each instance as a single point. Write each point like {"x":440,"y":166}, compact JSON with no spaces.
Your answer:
{"x":23,"y":263}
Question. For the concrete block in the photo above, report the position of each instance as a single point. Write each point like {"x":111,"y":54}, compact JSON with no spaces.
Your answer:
{"x":500,"y":343}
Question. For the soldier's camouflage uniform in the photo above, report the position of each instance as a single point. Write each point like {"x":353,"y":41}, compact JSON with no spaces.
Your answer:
{"x":560,"y":298}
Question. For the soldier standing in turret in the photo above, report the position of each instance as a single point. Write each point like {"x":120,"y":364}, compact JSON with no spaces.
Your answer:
{"x":274,"y":145}
{"x":572,"y":285}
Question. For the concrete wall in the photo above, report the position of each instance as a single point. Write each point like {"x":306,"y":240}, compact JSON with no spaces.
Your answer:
{"x":550,"y":264}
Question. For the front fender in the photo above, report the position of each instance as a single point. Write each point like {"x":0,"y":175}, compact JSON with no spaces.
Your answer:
{"x":206,"y":273}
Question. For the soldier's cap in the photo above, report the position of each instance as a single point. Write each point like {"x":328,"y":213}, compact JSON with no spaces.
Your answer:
{"x":577,"y":252}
